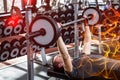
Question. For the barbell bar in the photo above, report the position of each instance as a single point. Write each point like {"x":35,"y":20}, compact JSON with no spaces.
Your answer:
{"x":92,"y":14}
{"x":44,"y":31}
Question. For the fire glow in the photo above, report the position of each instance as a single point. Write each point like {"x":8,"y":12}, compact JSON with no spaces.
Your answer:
{"x":110,"y":45}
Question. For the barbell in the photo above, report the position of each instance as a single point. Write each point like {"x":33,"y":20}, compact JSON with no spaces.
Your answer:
{"x":91,"y":13}
{"x":44,"y":31}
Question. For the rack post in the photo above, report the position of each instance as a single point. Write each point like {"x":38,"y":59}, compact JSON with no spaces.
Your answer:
{"x":76,"y":36}
{"x":28,"y":16}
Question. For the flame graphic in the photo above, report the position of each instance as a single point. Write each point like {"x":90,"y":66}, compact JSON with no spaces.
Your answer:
{"x":110,"y":45}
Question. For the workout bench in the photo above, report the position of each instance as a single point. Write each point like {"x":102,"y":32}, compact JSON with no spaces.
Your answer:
{"x":59,"y":75}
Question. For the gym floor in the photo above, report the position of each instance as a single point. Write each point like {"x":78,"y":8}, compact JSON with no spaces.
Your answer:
{"x":16,"y":69}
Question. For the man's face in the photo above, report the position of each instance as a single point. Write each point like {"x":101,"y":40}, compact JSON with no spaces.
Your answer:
{"x":58,"y":60}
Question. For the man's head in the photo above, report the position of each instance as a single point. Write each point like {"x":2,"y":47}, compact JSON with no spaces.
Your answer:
{"x":58,"y":63}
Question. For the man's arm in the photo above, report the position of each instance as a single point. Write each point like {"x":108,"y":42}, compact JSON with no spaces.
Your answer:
{"x":65,"y":55}
{"x":87,"y":39}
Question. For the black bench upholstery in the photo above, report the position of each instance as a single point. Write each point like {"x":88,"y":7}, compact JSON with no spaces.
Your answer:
{"x":56,"y":74}
{"x":61,"y":75}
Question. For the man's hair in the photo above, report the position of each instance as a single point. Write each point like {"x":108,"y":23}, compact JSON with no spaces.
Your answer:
{"x":55,"y":65}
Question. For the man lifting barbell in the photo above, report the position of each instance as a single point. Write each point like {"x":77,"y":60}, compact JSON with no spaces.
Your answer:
{"x":44,"y":31}
{"x":87,"y":65}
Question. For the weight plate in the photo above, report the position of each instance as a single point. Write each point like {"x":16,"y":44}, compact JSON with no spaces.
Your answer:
{"x":23,"y":51}
{"x":4,"y":55}
{"x":67,"y":40}
{"x":93,"y":15}
{"x":35,"y":48}
{"x":8,"y":30}
{"x":50,"y":27}
{"x":14,"y":52}
{"x":5,"y":45}
{"x":23,"y":41}
{"x":17,"y":29}
{"x":20,"y":21}
{"x":15,"y":43}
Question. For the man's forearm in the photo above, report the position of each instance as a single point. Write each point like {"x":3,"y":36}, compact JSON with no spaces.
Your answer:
{"x":87,"y":41}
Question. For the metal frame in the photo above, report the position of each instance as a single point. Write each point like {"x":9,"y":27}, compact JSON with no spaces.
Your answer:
{"x":43,"y":55}
{"x":30,"y":66}
{"x":76,"y":36}
{"x":5,"y":5}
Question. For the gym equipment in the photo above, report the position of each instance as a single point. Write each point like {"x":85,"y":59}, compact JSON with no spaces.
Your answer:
{"x":43,"y":31}
{"x":5,"y":45}
{"x":23,"y":26}
{"x":48,"y":31}
{"x":71,"y":31}
{"x":2,"y":24}
{"x":65,"y":35}
{"x":52,"y":46}
{"x":66,"y":40}
{"x":4,"y":55}
{"x":62,"y":14}
{"x":30,"y":2}
{"x":15,"y":43}
{"x":35,"y":48}
{"x":20,"y":21}
{"x":14,"y":52}
{"x":23,"y":50}
{"x":17,"y":29}
{"x":1,"y":30}
{"x":8,"y":30}
{"x":23,"y":41}
{"x":58,"y":75}
{"x":9,"y":25}
{"x":92,"y":14}
{"x":62,"y":17}
{"x":14,"y":22}
{"x":52,"y":73}
{"x":65,"y":32}
{"x":70,"y":13}
{"x":54,"y":15}
{"x":0,"y":47}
